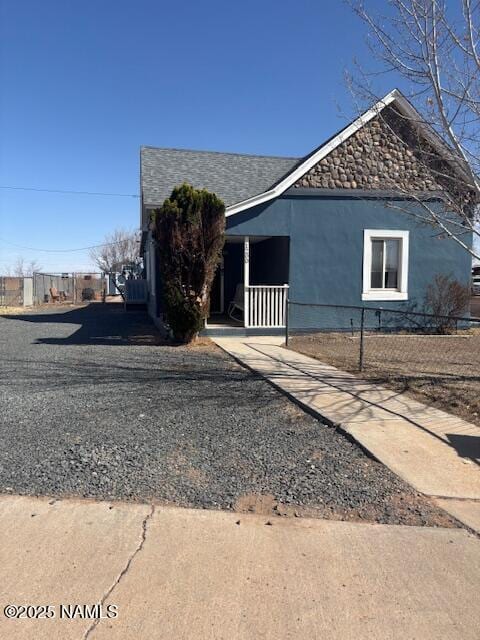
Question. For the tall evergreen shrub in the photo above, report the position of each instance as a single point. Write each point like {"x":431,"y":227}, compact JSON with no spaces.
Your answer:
{"x":189,"y":228}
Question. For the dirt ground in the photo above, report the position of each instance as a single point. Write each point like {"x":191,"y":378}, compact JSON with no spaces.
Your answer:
{"x":443,"y":371}
{"x":403,"y":504}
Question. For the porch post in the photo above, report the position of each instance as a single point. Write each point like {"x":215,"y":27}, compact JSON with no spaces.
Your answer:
{"x":246,"y":279}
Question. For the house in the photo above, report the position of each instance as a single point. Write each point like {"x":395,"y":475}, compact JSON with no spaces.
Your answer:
{"x":327,"y":228}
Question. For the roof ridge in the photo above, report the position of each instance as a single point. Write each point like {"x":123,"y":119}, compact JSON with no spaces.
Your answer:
{"x":221,"y":153}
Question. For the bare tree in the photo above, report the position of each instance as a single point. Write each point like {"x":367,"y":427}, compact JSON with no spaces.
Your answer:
{"x":433,"y":51}
{"x":120,"y":248}
{"x":23,"y":268}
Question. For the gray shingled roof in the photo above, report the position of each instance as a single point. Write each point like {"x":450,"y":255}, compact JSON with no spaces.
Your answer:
{"x":232,"y":176}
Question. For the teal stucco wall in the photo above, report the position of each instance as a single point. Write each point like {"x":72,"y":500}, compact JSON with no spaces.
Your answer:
{"x":326,"y":246}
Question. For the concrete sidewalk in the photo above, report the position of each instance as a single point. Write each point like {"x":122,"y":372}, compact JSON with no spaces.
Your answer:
{"x":420,"y":444}
{"x":180,"y":573}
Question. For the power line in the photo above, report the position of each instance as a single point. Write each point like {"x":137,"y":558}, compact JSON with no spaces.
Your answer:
{"x":83,"y":193}
{"x":94,"y":246}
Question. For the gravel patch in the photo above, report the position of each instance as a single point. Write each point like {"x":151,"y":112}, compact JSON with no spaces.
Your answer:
{"x":93,"y":405}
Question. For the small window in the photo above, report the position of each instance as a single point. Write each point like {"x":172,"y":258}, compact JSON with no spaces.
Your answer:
{"x":385,"y":265}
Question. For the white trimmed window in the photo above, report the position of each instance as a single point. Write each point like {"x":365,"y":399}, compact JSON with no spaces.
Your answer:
{"x":385,"y":265}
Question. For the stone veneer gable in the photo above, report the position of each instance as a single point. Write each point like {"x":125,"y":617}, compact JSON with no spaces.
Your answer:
{"x":386,"y":153}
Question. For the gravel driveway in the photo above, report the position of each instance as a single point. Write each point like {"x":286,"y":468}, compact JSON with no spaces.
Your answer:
{"x":92,"y":405}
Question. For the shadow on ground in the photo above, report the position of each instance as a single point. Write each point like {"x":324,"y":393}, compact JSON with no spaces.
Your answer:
{"x":99,"y":323}
{"x":466,"y":446}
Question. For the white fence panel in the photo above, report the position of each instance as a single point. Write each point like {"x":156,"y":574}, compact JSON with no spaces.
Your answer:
{"x":27,"y":292}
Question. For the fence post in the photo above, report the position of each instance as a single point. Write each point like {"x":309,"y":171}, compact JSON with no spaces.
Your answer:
{"x":287,"y":312}
{"x":362,"y":329}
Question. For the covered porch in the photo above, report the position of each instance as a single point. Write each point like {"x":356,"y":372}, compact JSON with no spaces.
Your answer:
{"x":250,"y":289}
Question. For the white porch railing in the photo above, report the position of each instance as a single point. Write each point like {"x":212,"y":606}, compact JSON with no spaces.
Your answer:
{"x":265,"y":306}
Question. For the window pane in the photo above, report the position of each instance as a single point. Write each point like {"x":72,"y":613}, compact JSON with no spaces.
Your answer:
{"x":392,"y":248}
{"x":377,"y":264}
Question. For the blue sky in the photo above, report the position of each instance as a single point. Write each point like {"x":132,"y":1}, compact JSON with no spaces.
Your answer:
{"x":84,"y":84}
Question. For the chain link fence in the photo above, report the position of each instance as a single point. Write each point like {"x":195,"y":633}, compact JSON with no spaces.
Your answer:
{"x":88,"y":286}
{"x":73,"y":288}
{"x":363,"y":336}
{"x":67,"y":287}
{"x":436,"y":356}
{"x":48,"y":287}
{"x":11,"y":291}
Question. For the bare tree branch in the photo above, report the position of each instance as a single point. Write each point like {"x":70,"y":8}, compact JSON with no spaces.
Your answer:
{"x":23,"y":269}
{"x":120,"y":248}
{"x":433,"y":50}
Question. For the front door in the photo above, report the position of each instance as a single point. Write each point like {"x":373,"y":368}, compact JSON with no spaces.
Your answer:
{"x":216,"y":294}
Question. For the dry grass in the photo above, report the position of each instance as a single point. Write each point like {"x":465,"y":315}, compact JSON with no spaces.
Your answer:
{"x":6,"y":311}
{"x":443,"y":371}
{"x":202,"y":342}
{"x":39,"y":308}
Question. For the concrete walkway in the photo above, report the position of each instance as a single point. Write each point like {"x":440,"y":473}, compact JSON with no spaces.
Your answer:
{"x":428,"y":448}
{"x":180,"y":574}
